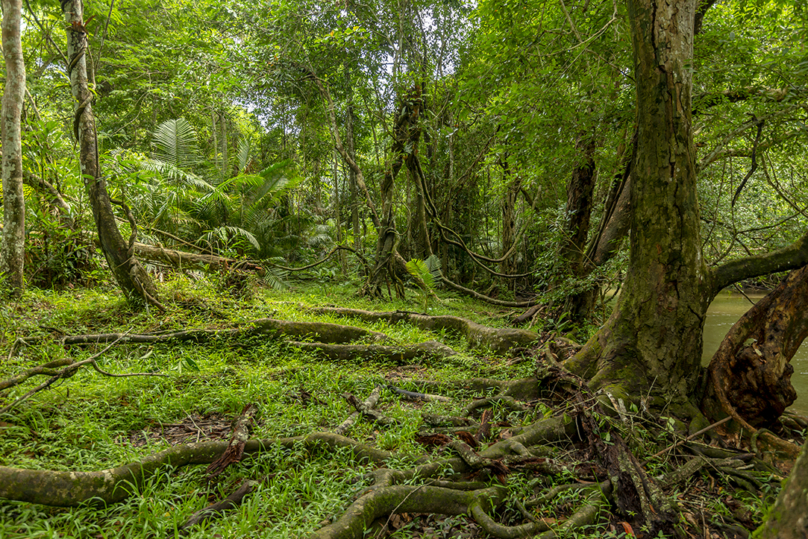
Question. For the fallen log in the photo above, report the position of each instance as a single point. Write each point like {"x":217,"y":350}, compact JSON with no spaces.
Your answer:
{"x":498,"y":340}
{"x":185,"y":260}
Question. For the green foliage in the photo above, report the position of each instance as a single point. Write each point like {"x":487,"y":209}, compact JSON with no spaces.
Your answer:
{"x":427,"y":274}
{"x":175,"y":143}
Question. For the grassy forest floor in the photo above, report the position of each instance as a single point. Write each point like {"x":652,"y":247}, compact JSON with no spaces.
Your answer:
{"x":91,"y":422}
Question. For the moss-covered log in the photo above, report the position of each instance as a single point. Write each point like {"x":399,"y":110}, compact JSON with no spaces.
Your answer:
{"x":185,"y":260}
{"x":498,"y":340}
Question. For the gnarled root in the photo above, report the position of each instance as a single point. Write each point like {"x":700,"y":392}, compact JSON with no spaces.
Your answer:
{"x":750,"y":374}
{"x":406,"y":499}
{"x":399,"y":354}
{"x":498,"y":340}
{"x":320,"y":331}
{"x":50,"y":487}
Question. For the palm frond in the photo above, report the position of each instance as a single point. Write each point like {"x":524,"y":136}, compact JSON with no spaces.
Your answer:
{"x":172,"y":172}
{"x":276,"y":278}
{"x":244,"y":149}
{"x":418,"y":268}
{"x":225,"y":234}
{"x":433,"y":265}
{"x":175,"y":143}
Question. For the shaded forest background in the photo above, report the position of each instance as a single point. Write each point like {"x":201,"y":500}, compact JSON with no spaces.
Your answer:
{"x":273,"y":132}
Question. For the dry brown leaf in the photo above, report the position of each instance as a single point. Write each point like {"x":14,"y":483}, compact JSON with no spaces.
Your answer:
{"x":628,"y":529}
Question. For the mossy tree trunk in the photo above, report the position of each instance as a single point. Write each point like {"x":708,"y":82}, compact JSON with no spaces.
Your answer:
{"x":788,"y":518}
{"x":580,"y":191}
{"x":404,"y":151}
{"x":12,"y":249}
{"x":653,"y":338}
{"x":130,"y":275}
{"x":654,"y":335}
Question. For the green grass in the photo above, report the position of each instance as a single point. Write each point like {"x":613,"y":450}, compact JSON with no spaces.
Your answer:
{"x":84,"y":423}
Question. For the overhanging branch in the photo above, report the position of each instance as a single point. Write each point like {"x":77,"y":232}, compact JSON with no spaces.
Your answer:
{"x":792,"y":257}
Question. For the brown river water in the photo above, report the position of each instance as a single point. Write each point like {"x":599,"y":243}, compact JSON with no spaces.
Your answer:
{"x":725,"y":310}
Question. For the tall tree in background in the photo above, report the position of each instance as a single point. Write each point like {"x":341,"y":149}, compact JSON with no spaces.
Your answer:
{"x":130,"y":275}
{"x":12,"y":251}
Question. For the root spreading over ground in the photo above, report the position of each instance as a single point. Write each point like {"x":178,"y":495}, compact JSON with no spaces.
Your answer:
{"x":395,"y":449}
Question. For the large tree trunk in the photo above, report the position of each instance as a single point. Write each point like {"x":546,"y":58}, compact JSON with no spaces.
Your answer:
{"x":131,"y":277}
{"x":654,"y":336}
{"x":12,"y":250}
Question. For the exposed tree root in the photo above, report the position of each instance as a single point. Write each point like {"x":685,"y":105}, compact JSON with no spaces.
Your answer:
{"x":501,"y":400}
{"x":368,"y":411}
{"x":406,"y":499}
{"x":456,"y":479}
{"x":320,"y":331}
{"x":493,"y":301}
{"x":49,"y":369}
{"x":227,"y":504}
{"x":401,"y":354}
{"x":522,"y":389}
{"x":415,"y":396}
{"x":369,"y":404}
{"x":58,"y":488}
{"x":479,"y":336}
{"x":235,"y":448}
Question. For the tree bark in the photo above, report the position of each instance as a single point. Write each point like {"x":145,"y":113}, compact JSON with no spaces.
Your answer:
{"x":616,"y":227}
{"x":12,"y":249}
{"x":751,"y":371}
{"x":654,"y":336}
{"x":349,"y":141}
{"x":407,"y":134}
{"x":580,"y":190}
{"x":130,"y":275}
{"x":509,"y":219}
{"x":422,"y":247}
{"x":788,"y":518}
